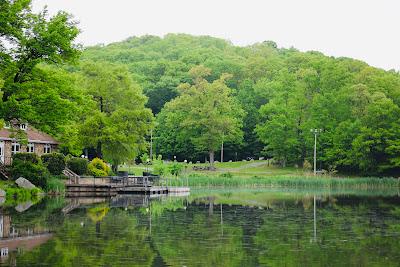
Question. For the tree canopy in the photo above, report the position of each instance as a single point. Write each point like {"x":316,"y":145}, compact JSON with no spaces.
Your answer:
{"x":284,"y":93}
{"x":28,"y":39}
{"x":204,"y":113}
{"x":118,"y":121}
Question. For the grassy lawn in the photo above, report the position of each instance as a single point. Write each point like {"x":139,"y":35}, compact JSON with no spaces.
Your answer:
{"x":261,"y":174}
{"x":239,"y":168}
{"x":259,"y":168}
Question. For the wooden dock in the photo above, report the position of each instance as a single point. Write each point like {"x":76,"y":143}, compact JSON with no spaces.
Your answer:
{"x":89,"y":186}
{"x":99,"y":190}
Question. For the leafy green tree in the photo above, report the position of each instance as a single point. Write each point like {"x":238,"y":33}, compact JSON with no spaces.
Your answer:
{"x":27,"y":40}
{"x":208,"y":113}
{"x":118,"y":122}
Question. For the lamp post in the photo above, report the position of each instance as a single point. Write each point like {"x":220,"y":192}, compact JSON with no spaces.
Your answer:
{"x":151,"y":144}
{"x":315,"y":132}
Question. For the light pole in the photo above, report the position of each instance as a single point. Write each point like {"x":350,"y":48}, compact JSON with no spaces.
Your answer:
{"x":315,"y":132}
{"x":222,"y":151}
{"x":151,"y":144}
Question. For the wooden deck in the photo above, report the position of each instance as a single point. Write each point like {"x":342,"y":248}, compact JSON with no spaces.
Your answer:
{"x":99,"y":190}
{"x":89,"y":186}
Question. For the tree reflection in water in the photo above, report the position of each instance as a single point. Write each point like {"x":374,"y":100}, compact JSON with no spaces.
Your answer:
{"x":250,"y":229}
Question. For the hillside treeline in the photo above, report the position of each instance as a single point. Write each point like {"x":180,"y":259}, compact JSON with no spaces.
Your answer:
{"x":284,"y":94}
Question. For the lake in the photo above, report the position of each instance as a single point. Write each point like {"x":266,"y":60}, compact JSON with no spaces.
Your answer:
{"x":210,"y":227}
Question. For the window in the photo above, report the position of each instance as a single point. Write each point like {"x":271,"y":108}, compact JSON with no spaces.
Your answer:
{"x":30,"y":148}
{"x":22,"y":126}
{"x":4,"y":252}
{"x":47,"y":148}
{"x":15,"y":147}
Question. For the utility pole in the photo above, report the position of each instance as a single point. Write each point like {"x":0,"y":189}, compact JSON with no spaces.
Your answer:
{"x":315,"y":132}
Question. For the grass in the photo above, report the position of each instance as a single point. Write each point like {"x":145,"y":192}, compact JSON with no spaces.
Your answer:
{"x":239,"y":168}
{"x":287,"y":181}
{"x":55,"y":185}
{"x":253,"y":174}
{"x":16,"y":195}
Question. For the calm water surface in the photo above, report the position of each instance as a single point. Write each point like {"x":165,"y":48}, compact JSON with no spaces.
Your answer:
{"x":207,"y":228}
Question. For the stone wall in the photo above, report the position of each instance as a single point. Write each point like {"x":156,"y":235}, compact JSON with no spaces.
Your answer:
{"x":39,"y":150}
{"x":7,"y":152}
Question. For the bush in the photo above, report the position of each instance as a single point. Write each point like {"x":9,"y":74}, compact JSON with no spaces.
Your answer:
{"x":226,"y":175}
{"x":78,"y":165}
{"x":27,"y":157}
{"x":175,"y":169}
{"x":55,"y":162}
{"x":97,"y":167}
{"x":36,"y":173}
{"x":159,"y":167}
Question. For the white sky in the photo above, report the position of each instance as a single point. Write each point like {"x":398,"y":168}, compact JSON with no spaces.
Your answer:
{"x":362,"y":29}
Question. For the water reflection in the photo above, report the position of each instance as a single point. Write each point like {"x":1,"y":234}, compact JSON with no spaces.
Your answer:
{"x":219,"y":228}
{"x":14,"y":238}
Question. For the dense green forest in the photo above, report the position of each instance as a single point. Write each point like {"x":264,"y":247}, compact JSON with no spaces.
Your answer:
{"x":198,"y":92}
{"x":283,"y":94}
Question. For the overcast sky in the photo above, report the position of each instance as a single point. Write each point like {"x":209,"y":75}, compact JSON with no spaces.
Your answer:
{"x":364,"y":29}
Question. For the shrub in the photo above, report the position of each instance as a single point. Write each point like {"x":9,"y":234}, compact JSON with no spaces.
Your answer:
{"x":175,"y":169}
{"x":27,"y":157}
{"x":97,"y":167}
{"x":158,"y":166}
{"x":78,"y":165}
{"x":36,"y":173}
{"x":307,"y":165}
{"x":226,"y":175}
{"x":55,"y":162}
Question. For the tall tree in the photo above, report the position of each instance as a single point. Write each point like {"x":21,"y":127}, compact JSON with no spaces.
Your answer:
{"x":27,"y":39}
{"x":208,"y":114}
{"x":118,"y":122}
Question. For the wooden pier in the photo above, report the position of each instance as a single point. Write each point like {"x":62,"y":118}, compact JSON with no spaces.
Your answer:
{"x":89,"y":186}
{"x":110,"y":186}
{"x":99,"y":190}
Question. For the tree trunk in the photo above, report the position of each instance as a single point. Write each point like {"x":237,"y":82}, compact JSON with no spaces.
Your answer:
{"x":99,"y":153}
{"x":114,"y":168}
{"x":212,"y":159}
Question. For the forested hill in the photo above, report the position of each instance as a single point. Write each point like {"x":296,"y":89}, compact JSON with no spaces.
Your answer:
{"x":284,"y":93}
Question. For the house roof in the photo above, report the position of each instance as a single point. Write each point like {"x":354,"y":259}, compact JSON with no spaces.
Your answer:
{"x":34,"y":136}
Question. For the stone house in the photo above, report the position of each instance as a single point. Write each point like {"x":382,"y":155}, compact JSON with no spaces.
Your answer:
{"x":37,"y":142}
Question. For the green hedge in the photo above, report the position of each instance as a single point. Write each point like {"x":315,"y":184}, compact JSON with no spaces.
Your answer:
{"x":27,"y":157}
{"x":36,"y":173}
{"x":78,"y":165}
{"x":55,"y":162}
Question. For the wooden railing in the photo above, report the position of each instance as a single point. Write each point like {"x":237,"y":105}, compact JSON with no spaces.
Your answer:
{"x":3,"y":170}
{"x":145,"y":181}
{"x":73,"y":177}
